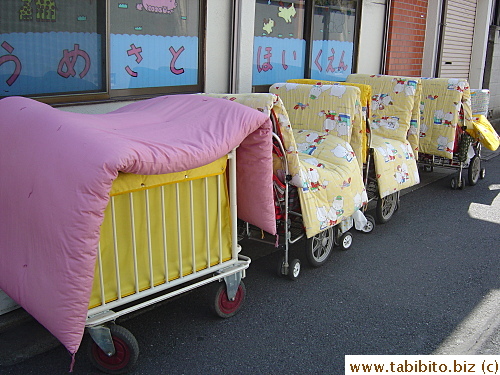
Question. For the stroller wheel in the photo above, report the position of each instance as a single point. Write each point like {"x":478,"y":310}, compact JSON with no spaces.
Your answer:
{"x":474,"y":170}
{"x":345,"y":241}
{"x":281,"y":267}
{"x":461,"y":186}
{"x":294,"y":269}
{"x":482,"y":173}
{"x":386,"y":207}
{"x":370,"y":224}
{"x":454,"y":183}
{"x":319,"y":247}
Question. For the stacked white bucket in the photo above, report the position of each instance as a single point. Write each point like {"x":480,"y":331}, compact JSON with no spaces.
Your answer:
{"x":480,"y":99}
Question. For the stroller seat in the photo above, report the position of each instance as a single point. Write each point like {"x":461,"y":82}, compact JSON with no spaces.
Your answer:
{"x":446,"y":103}
{"x":394,"y":125}
{"x":322,"y":137}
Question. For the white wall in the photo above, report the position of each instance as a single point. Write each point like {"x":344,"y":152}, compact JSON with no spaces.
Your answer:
{"x":431,"y":38}
{"x":494,"y":80}
{"x":480,"y":43}
{"x":218,"y":46}
{"x":245,"y":21}
{"x":371,"y":37}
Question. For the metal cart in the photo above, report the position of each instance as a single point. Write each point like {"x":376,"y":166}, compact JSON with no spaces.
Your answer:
{"x":163,"y":236}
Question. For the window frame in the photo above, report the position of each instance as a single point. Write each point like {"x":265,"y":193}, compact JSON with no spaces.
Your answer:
{"x":308,"y":32}
{"x":114,"y":95}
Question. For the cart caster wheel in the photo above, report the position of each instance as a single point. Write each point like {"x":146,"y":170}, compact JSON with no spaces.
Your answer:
{"x":370,"y":224}
{"x":482,"y":173}
{"x":345,"y":241}
{"x":386,"y":207}
{"x":126,"y":352}
{"x":281,"y":267}
{"x":461,"y":186}
{"x":474,"y":170}
{"x":294,"y":269}
{"x":319,"y":247}
{"x":223,"y":306}
{"x":454,"y":183}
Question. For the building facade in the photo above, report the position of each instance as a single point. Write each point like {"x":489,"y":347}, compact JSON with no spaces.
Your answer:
{"x":96,"y":56}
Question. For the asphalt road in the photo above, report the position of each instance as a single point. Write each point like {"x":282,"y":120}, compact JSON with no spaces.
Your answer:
{"x":416,"y":285}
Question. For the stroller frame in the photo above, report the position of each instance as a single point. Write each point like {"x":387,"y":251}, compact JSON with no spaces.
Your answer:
{"x":473,"y":165}
{"x":289,"y":224}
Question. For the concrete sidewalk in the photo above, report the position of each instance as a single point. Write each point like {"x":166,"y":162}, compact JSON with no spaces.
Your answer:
{"x":22,"y":337}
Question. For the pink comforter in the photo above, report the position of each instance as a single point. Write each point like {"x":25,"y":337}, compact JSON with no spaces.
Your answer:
{"x":57,"y":169}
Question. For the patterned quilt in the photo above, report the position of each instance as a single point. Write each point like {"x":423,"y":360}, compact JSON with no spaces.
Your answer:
{"x":394,"y":126}
{"x":323,"y":137}
{"x":446,"y":104}
{"x":330,"y":185}
{"x":365,"y":99}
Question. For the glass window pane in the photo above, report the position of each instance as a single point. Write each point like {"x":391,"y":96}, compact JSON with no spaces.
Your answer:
{"x":334,"y":24}
{"x":154,"y":43}
{"x":279,"y":45}
{"x":50,"y":47}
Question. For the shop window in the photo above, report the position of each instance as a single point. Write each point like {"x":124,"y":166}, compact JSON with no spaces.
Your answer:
{"x":303,"y":39}
{"x":154,"y":44}
{"x":333,"y":32}
{"x":61,"y":48}
{"x":279,"y":43}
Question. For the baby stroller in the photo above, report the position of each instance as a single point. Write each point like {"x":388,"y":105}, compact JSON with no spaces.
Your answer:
{"x":299,"y":213}
{"x":393,"y":122}
{"x":447,"y":136}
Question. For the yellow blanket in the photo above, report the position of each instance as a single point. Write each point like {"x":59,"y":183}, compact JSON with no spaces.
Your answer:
{"x":326,"y":123}
{"x":330,"y":189}
{"x":394,"y":115}
{"x":365,"y":99}
{"x":446,"y":104}
{"x":484,"y":132}
{"x":138,"y":225}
